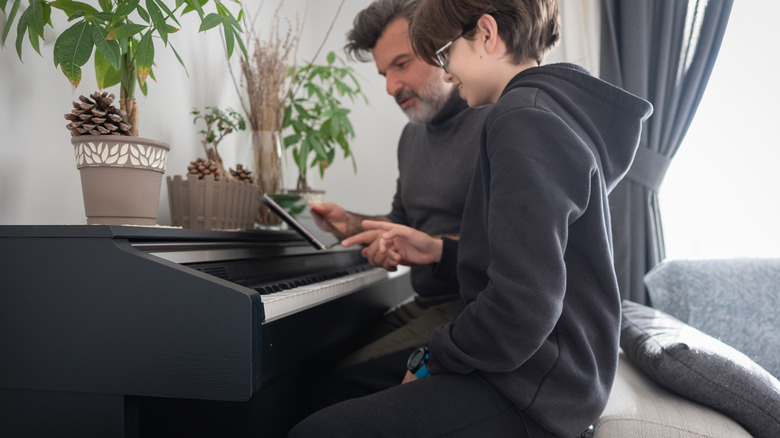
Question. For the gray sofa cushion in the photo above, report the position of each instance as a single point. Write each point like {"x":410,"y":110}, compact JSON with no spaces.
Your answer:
{"x":735,"y":300}
{"x":701,"y":368}
{"x":639,"y":407}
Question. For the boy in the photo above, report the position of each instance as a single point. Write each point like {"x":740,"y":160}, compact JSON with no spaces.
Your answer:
{"x":534,"y":353}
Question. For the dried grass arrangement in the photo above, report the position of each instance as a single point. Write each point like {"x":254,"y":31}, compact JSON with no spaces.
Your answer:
{"x":265,"y":74}
{"x":268,"y":87}
{"x":265,"y":90}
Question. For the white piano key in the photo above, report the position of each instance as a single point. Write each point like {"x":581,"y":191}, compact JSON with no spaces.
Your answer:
{"x":280,"y":304}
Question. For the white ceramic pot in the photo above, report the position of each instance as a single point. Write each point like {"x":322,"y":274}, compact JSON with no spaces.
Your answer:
{"x":120,"y":178}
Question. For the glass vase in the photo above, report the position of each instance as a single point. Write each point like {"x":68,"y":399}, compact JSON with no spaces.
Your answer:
{"x":267,"y":146}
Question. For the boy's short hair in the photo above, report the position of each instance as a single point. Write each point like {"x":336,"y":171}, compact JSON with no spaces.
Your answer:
{"x":530,"y":28}
{"x":370,"y":24}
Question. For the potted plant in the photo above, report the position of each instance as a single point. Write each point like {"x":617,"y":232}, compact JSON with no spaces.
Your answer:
{"x":318,"y":117}
{"x":210,"y":197}
{"x":118,"y":35}
{"x":120,"y":174}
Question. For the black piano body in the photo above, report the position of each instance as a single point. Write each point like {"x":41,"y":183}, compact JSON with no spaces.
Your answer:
{"x":114,"y":331}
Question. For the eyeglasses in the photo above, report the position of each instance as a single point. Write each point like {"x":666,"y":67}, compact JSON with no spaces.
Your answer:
{"x":440,"y":52}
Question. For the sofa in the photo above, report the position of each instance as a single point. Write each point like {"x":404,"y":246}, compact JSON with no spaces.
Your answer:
{"x":703,"y":361}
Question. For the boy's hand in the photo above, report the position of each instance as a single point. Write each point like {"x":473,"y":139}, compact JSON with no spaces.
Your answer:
{"x":372,"y":240}
{"x":404,"y":245}
{"x":409,"y":377}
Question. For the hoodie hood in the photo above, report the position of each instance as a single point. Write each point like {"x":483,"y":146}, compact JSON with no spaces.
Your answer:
{"x":611,"y":116}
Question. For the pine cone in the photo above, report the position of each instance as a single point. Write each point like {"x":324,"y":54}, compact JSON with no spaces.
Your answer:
{"x":202,"y":167}
{"x":242,"y":174}
{"x":97,"y":116}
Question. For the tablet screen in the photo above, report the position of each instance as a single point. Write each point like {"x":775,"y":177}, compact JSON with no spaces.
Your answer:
{"x":296,"y":212}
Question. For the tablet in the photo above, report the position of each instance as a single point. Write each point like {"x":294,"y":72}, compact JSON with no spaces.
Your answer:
{"x":296,"y":212}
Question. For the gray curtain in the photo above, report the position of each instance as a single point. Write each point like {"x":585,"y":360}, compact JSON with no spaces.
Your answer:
{"x":663,"y":51}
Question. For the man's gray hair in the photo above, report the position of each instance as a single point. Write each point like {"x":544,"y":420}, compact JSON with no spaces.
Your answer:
{"x":370,"y":24}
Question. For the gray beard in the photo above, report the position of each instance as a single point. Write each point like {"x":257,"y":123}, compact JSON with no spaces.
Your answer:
{"x":424,"y":113}
{"x":430,"y":103}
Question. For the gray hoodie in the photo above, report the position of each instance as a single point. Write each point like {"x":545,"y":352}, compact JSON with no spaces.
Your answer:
{"x":535,"y":260}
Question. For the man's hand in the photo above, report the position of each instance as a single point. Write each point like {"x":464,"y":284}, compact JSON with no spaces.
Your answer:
{"x":332,"y":218}
{"x":409,"y":377}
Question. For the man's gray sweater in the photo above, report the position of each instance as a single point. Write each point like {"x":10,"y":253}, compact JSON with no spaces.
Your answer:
{"x":435,"y":165}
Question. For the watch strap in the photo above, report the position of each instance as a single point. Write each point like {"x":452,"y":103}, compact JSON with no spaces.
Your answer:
{"x":422,"y":372}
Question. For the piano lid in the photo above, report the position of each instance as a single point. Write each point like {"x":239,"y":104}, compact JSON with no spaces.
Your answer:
{"x":112,"y":315}
{"x":143,"y":233}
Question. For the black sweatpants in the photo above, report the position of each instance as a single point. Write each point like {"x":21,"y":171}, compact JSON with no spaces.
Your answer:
{"x":376,"y":358}
{"x":444,"y":405}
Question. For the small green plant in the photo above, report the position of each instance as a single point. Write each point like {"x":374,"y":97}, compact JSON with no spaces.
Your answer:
{"x":119,"y":33}
{"x":219,"y":123}
{"x":318,"y":119}
{"x":293,"y":204}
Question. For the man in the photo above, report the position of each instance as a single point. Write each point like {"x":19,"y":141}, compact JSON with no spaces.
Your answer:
{"x":436,"y":156}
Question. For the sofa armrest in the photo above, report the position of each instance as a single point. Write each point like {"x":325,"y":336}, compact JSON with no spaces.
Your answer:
{"x":637,"y":406}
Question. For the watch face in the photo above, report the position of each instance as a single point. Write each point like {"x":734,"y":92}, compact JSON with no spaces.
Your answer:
{"x":416,"y":359}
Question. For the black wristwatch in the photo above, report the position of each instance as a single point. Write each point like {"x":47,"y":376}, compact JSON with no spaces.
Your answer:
{"x":418,"y":362}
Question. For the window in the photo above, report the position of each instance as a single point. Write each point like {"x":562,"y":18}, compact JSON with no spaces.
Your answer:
{"x":721,"y":196}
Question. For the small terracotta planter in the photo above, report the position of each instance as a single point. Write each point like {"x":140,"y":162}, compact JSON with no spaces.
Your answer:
{"x":207,"y":204}
{"x":120,"y":178}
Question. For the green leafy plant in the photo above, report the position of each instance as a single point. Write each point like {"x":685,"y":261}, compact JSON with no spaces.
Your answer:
{"x":293,"y":204}
{"x":219,"y":123}
{"x":119,"y":33}
{"x":318,"y":118}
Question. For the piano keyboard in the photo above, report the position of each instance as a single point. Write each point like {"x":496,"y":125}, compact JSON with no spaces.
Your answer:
{"x":295,"y":299}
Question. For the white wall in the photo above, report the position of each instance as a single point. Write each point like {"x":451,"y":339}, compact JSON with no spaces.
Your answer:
{"x":39,"y":183}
